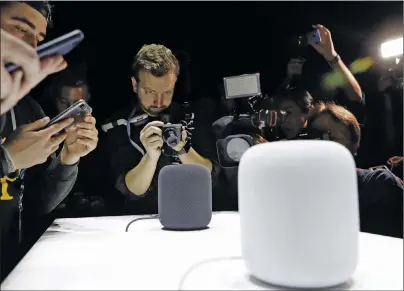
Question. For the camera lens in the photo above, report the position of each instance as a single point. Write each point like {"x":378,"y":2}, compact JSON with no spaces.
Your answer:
{"x":170,"y":137}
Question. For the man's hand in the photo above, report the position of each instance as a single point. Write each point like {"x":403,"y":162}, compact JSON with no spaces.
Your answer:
{"x":181,"y":144}
{"x":18,"y":84}
{"x":151,"y":138}
{"x":32,"y":145}
{"x":82,"y":138}
{"x":395,"y":161}
{"x":325,"y":47}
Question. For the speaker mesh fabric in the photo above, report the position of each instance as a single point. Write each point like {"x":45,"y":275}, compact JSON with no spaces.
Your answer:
{"x":185,"y":197}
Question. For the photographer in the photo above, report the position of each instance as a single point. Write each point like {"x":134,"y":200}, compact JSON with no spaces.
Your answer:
{"x":296,"y":103}
{"x":34,"y":180}
{"x":65,"y":89}
{"x":134,"y":149}
{"x":380,"y":191}
{"x":349,"y":94}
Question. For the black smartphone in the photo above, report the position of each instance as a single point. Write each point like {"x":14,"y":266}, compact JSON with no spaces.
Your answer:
{"x":78,"y":111}
{"x":57,"y":47}
{"x":311,"y":37}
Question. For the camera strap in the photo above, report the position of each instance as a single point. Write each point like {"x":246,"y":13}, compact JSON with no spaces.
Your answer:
{"x":128,"y":130}
{"x":132,"y":119}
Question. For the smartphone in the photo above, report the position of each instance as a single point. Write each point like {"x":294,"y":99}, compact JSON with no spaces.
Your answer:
{"x":57,"y":47}
{"x":78,"y":111}
{"x":313,"y":37}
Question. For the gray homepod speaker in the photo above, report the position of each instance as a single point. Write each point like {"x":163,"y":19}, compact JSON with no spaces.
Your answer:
{"x":185,"y":197}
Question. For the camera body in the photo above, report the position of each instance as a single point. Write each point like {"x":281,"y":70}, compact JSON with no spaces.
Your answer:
{"x":260,"y":114}
{"x":172,"y":132}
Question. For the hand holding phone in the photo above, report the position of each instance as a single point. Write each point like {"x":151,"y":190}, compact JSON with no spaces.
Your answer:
{"x":80,"y":141}
{"x":33,"y":143}
{"x":15,"y":86}
{"x":78,"y":111}
{"x":324,"y":46}
{"x":57,"y":47}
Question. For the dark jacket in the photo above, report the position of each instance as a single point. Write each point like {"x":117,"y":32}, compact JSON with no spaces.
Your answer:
{"x":45,"y":186}
{"x":380,"y":202}
{"x":122,"y":156}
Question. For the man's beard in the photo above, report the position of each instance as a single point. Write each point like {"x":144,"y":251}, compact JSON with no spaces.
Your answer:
{"x":155,"y":111}
{"x":151,"y":110}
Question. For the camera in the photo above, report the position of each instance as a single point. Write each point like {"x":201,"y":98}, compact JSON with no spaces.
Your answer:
{"x":172,"y":129}
{"x":231,"y":148}
{"x":259,"y":114}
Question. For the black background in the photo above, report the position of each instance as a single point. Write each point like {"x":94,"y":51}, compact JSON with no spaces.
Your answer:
{"x":222,"y":38}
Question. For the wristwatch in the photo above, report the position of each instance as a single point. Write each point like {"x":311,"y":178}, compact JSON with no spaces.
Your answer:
{"x":334,"y":61}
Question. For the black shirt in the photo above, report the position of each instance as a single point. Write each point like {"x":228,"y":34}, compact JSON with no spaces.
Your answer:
{"x":123,"y":156}
{"x":380,"y":202}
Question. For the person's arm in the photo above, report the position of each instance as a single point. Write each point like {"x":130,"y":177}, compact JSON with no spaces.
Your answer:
{"x":47,"y":185}
{"x":138,"y":180}
{"x":351,"y":87}
{"x":326,"y":48}
{"x":127,"y":165}
{"x":193,"y":158}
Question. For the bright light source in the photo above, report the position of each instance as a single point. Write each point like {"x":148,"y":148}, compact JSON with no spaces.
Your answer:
{"x":397,"y":61}
{"x":392,"y":48}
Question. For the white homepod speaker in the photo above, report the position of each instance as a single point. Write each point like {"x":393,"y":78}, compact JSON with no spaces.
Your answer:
{"x":185,"y":197}
{"x":298,"y":204}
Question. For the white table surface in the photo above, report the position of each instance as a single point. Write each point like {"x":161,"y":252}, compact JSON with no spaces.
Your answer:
{"x":97,"y":254}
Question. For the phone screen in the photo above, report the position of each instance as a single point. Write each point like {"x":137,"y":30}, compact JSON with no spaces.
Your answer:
{"x":313,"y":37}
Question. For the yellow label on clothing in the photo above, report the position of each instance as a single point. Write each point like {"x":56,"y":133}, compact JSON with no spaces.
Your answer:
{"x":4,"y":188}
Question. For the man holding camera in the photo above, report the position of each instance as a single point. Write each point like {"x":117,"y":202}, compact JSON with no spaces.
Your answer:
{"x":34,"y":180}
{"x":134,"y":139}
{"x":380,"y":191}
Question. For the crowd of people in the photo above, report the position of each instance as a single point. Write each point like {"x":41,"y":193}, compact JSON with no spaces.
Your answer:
{"x":49,"y":172}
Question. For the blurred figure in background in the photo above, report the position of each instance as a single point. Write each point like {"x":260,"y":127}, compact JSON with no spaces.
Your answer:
{"x":391,"y":124}
{"x":296,"y":103}
{"x":294,"y":71}
{"x":380,"y":191}
{"x":67,"y":88}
